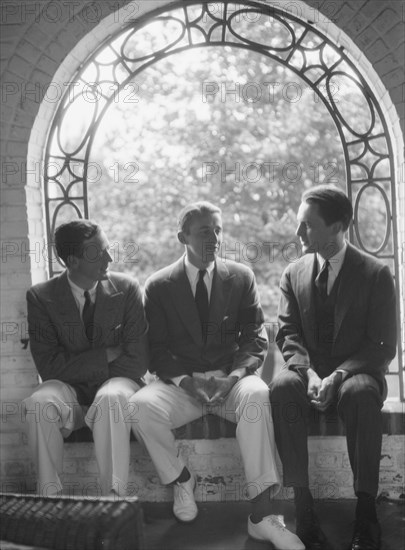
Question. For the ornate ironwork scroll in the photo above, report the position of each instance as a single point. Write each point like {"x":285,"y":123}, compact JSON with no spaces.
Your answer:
{"x":290,"y":41}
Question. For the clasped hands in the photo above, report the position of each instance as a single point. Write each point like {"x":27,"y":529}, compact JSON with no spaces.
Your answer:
{"x":322,"y":392}
{"x":211,"y":391}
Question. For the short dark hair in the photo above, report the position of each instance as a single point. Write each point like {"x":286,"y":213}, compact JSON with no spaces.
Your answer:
{"x":195,"y":209}
{"x":334,"y":205}
{"x":70,"y":236}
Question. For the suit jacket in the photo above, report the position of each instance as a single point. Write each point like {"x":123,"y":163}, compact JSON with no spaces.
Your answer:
{"x":58,"y":342}
{"x":365,"y":335}
{"x":234,"y":337}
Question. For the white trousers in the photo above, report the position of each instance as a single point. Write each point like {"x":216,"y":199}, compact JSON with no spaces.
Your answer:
{"x":161,"y":407}
{"x":52,"y":412}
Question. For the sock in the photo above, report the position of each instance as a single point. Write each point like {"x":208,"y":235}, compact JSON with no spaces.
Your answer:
{"x":261,"y":506}
{"x":303,"y":498}
{"x":365,"y":508}
{"x":183,"y":477}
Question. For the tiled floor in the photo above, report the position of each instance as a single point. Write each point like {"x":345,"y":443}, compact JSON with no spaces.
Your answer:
{"x":222,"y":526}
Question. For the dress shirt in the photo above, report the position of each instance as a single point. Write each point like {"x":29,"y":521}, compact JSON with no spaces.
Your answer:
{"x":192,"y":273}
{"x":335,"y":265}
{"x":78,"y":294}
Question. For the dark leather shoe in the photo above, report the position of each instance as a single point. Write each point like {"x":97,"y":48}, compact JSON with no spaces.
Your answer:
{"x":309,"y":530}
{"x":366,"y":535}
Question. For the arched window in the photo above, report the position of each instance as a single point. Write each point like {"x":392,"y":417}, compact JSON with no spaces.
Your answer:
{"x":277,"y":44}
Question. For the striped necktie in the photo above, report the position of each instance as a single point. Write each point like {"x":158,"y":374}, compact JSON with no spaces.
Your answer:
{"x":321,"y":281}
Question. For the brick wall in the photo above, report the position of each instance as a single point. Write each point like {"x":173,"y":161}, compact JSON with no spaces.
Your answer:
{"x":218,"y":466}
{"x":44,"y":42}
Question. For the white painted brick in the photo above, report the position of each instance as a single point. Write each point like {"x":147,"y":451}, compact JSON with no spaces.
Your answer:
{"x":377,"y":50}
{"x":19,"y":281}
{"x":344,"y":14}
{"x":23,"y":118}
{"x":395,"y":37}
{"x":200,"y":463}
{"x":387,"y":64}
{"x":18,"y":148}
{"x":141,"y":464}
{"x":15,"y":468}
{"x":387,"y":462}
{"x":394,"y":78}
{"x":20,"y":365}
{"x":7,"y":113}
{"x":11,"y":415}
{"x":11,"y":94}
{"x":390,"y":477}
{"x":14,"y":394}
{"x":9,"y":213}
{"x":75,"y":450}
{"x":18,"y":133}
{"x":15,"y":310}
{"x":14,"y":453}
{"x":16,"y":83}
{"x":18,"y":485}
{"x":33,"y":195}
{"x":70,"y":466}
{"x":27,"y":379}
{"x":316,"y":443}
{"x":20,"y":66}
{"x":225,"y":462}
{"x":14,"y":229}
{"x":10,"y":438}
{"x":386,"y":20}
{"x":19,"y":379}
{"x":220,"y":485}
{"x":344,"y":478}
{"x":328,"y":460}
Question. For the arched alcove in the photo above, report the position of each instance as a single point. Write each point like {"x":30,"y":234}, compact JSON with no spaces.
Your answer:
{"x":44,"y":46}
{"x":317,"y":57}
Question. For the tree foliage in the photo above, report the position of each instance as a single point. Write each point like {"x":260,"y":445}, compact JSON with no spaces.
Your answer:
{"x":223,"y":124}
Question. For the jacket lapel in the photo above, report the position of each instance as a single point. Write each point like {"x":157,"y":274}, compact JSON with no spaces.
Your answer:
{"x":305,"y":294}
{"x":350,"y":279}
{"x":67,"y":313}
{"x":185,"y":304}
{"x":108,"y":303}
{"x":219,"y":299}
{"x":184,"y":301}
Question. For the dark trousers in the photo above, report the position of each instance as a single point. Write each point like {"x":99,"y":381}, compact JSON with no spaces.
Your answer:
{"x":359,"y":404}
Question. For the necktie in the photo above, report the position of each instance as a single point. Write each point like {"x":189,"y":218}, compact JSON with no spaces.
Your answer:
{"x":201,"y":300}
{"x":321,"y":281}
{"x":88,"y":316}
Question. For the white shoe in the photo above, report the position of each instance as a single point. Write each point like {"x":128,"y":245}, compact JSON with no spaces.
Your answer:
{"x":272,"y":529}
{"x":184,"y":506}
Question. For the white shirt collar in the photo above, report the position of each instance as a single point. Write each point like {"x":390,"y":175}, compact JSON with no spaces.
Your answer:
{"x":192,"y":276}
{"x":79,"y":292}
{"x":335,"y":262}
{"x":192,"y":270}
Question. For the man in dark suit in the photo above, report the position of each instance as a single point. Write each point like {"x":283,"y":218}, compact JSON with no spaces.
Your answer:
{"x":337,"y":334}
{"x":206,"y":342}
{"x":88,"y":339}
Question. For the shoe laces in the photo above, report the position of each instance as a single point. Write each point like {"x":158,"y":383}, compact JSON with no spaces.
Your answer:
{"x":182,"y":491}
{"x":277,"y":521}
